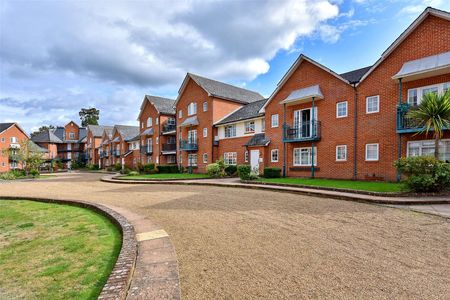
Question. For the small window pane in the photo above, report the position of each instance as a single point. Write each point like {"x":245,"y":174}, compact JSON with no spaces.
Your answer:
{"x":274,"y":120}
{"x":412,"y":97}
{"x":341,"y":109}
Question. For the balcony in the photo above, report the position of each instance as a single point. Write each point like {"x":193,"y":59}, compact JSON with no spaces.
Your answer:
{"x":116,"y":153}
{"x":146,"y":149}
{"x":169,"y":147}
{"x":189,"y":145}
{"x":169,"y":128}
{"x":14,"y":157}
{"x":104,"y":154}
{"x":404,"y":123}
{"x":302,"y":132}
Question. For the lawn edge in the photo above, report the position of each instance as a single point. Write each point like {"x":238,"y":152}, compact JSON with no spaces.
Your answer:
{"x":119,"y":280}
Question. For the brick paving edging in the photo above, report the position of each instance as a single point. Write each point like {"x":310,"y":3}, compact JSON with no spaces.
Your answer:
{"x":334,"y":194}
{"x":119,"y":280}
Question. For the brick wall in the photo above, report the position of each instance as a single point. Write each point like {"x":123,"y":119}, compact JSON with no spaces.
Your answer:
{"x":5,"y":142}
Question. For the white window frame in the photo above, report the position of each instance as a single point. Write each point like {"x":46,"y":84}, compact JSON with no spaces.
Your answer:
{"x":205,"y":158}
{"x":192,"y":162}
{"x":180,"y":114}
{"x":263,"y":125}
{"x":232,"y":130}
{"x":3,"y":140}
{"x":419,"y":91}
{"x":430,"y":145}
{"x":157,"y":121}
{"x":149,"y":122}
{"x":272,"y":152}
{"x":205,"y":106}
{"x":192,"y":108}
{"x":246,"y":156}
{"x":171,"y":121}
{"x":157,"y":140}
{"x":378,"y":104}
{"x":300,"y":164}
{"x":71,"y":135}
{"x":13,"y":140}
{"x":171,"y":159}
{"x":345,"y":152}
{"x":205,"y":132}
{"x":346,"y":109}
{"x":249,"y":127}
{"x":274,"y":118}
{"x":230,"y":158}
{"x":378,"y":152}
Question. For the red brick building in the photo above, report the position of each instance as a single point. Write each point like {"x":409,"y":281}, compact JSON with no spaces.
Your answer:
{"x":105,"y":148}
{"x":93,"y":143}
{"x":12,"y":136}
{"x":124,"y":146}
{"x":157,"y":126}
{"x":202,"y":102}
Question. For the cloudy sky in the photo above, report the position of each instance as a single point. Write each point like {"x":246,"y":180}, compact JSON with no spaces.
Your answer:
{"x":58,"y":56}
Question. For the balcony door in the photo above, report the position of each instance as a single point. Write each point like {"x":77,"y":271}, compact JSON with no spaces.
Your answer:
{"x":192,"y":136}
{"x":302,"y":122}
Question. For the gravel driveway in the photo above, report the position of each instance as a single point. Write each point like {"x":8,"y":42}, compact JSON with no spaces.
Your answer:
{"x":249,"y":244}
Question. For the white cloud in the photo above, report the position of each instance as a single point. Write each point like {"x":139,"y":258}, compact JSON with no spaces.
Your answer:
{"x":418,"y":6}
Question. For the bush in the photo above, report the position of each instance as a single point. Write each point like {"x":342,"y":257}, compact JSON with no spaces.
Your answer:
{"x":8,"y":176}
{"x":133,"y":173}
{"x":272,"y":172}
{"x":34,"y":173}
{"x":117,"y":167}
{"x":125,"y":171}
{"x":214,"y":170}
{"x":109,"y":168}
{"x":93,"y":167}
{"x":139,"y":167}
{"x":231,"y":170}
{"x":149,"y":168}
{"x":165,"y":169}
{"x":424,"y":173}
{"x":245,"y":172}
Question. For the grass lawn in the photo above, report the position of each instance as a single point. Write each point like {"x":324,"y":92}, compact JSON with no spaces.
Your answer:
{"x":53,"y":251}
{"x":165,"y":176}
{"x":343,"y":184}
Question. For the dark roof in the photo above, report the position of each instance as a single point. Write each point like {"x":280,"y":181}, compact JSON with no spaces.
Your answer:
{"x":97,"y":130}
{"x":47,"y":136}
{"x":248,"y":111}
{"x":136,"y":138}
{"x":59,"y":132}
{"x":4,"y":126}
{"x":355,"y":75}
{"x":163,"y":105}
{"x":127,"y":132}
{"x":36,"y":148}
{"x":226,"y":91}
{"x":258,"y":139}
{"x":82,"y":135}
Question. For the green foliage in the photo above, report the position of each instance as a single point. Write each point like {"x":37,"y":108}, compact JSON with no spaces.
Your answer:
{"x":57,"y":164}
{"x":149,"y":168}
{"x":424,"y":173}
{"x":214,"y":170}
{"x":89,"y":116}
{"x":75,"y":165}
{"x":93,"y":167}
{"x":231,"y":170}
{"x":8,"y":176}
{"x":245,"y":172}
{"x":168,"y":169}
{"x":125,"y":171}
{"x":139,"y":167}
{"x":117,"y":167}
{"x":272,"y":172}
{"x":27,"y":155}
{"x":133,"y":173}
{"x":34,"y":173}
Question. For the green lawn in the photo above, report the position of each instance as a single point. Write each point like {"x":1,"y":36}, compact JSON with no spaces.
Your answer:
{"x":53,"y":251}
{"x":165,"y":176}
{"x":343,"y":184}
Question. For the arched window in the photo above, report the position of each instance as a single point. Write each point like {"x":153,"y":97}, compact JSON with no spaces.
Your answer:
{"x":149,"y":122}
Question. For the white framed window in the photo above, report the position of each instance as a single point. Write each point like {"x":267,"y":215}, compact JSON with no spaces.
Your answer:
{"x":303,"y":156}
{"x":180,"y":158}
{"x":157,"y":159}
{"x":205,"y":158}
{"x":341,"y":153}
{"x":71,"y":135}
{"x":246,"y":156}
{"x":3,"y":164}
{"x":274,"y":120}
{"x":249,"y":127}
{"x":372,"y":152}
{"x":445,"y":87}
{"x":192,"y":136}
{"x":372,"y":104}
{"x":274,"y":155}
{"x":157,"y":121}
{"x":192,"y":108}
{"x":3,"y":139}
{"x":341,"y":109}
{"x":263,"y":125}
{"x":230,"y":131}
{"x":412,"y":97}
{"x":205,"y":132}
{"x":157,"y":140}
{"x":180,"y":114}
{"x":13,"y":139}
{"x":230,"y":158}
{"x":142,"y":124}
{"x":149,"y":122}
{"x":415,"y":95}
{"x":171,"y":121}
{"x":192,"y":160}
{"x":426,"y":148}
{"x":171,"y":159}
{"x":205,"y":106}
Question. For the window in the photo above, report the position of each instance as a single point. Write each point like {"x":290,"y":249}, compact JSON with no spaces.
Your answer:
{"x":180,"y":114}
{"x":341,"y":109}
{"x":263,"y":125}
{"x":249,"y":127}
{"x":446,"y":87}
{"x":192,"y":160}
{"x":371,"y":152}
{"x":192,"y":136}
{"x":205,"y":132}
{"x":415,"y":95}
{"x":425,"y":148}
{"x":13,"y":139}
{"x":192,"y":108}
{"x":171,"y":140}
{"x":157,"y":121}
{"x":432,"y":89}
{"x":341,"y":153}
{"x":72,"y":135}
{"x":274,"y":155}
{"x":372,"y":104}
{"x":274,"y":119}
{"x":412,"y":97}
{"x":149,"y":122}
{"x":230,"y":131}
{"x":171,"y":159}
{"x":205,"y":106}
{"x":142,"y":124}
{"x":3,"y":139}
{"x":303,"y":156}
{"x":205,"y":158}
{"x":157,"y":140}
{"x":246,"y":156}
{"x":230,"y":158}
{"x":171,"y":121}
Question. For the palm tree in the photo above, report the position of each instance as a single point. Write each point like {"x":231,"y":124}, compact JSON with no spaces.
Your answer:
{"x":433,"y":114}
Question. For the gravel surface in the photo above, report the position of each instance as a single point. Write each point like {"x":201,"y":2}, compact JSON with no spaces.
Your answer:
{"x":250,"y":244}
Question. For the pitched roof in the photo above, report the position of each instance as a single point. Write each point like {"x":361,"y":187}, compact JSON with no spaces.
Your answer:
{"x":36,"y":148}
{"x":97,"y":130}
{"x":162,"y":105}
{"x":47,"y":136}
{"x":127,"y":132}
{"x":4,"y":126}
{"x":258,"y":139}
{"x":221,"y":90}
{"x":248,"y":111}
{"x":82,"y":133}
{"x":355,"y":75}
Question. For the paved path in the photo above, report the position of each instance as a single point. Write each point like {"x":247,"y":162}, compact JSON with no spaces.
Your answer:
{"x":436,"y":209}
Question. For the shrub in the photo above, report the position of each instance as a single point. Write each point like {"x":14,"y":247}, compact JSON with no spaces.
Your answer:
{"x":8,"y":176}
{"x":272,"y":172}
{"x":140,"y":167}
{"x":231,"y":170}
{"x":117,"y":167}
{"x":93,"y":167}
{"x":34,"y":173}
{"x":424,"y":173}
{"x":133,"y":173}
{"x":168,"y":169}
{"x":245,"y":172}
{"x":149,"y":168}
{"x":109,"y":168}
{"x":125,"y":171}
{"x":214,"y":170}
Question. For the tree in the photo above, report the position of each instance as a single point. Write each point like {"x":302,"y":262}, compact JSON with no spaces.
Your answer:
{"x":89,"y":116}
{"x":28,"y":156}
{"x":41,"y":129}
{"x":433,"y":115}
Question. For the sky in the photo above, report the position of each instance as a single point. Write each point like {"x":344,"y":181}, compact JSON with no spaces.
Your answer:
{"x":58,"y":56}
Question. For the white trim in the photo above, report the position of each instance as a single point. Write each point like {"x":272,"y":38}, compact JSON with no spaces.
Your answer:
{"x":346,"y":109}
{"x":205,"y":132}
{"x":314,"y":161}
{"x":271,"y":121}
{"x":378,"y":152}
{"x":271,"y":155}
{"x":205,"y":161}
{"x":367,"y":104}
{"x":341,"y":159}
{"x":440,"y":88}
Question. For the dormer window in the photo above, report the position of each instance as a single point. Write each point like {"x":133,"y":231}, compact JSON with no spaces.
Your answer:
{"x":71,"y":135}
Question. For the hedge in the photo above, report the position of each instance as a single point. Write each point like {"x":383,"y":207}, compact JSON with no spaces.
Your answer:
{"x":272,"y":172}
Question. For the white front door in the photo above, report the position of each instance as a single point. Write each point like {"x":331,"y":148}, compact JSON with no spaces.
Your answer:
{"x":254,"y":161}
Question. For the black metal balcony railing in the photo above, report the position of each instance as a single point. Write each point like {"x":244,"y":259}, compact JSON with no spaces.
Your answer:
{"x":404,"y":123}
{"x":146,"y":149}
{"x":189,"y":145}
{"x":169,"y":147}
{"x":169,"y":128}
{"x":302,"y":132}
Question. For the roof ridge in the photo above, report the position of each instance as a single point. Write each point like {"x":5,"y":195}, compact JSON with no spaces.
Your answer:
{"x":221,"y":82}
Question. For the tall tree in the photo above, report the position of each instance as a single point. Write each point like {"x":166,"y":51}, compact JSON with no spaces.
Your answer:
{"x":41,"y":129}
{"x":433,"y":115}
{"x":89,"y":116}
{"x":28,"y":155}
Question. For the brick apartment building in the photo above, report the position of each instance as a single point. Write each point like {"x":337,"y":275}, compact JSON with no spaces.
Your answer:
{"x":201,"y":102}
{"x":93,"y":143}
{"x":12,"y":136}
{"x":105,"y":148}
{"x":157,"y":126}
{"x":124,"y":146}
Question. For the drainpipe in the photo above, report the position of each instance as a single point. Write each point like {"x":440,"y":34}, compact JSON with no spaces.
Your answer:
{"x":312,"y":142}
{"x":399,"y":150}
{"x":284,"y":143}
{"x":355,"y":134}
